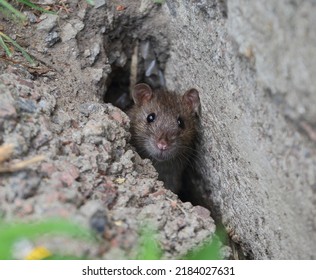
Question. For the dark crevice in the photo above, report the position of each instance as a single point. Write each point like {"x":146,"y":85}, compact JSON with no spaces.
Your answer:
{"x":118,"y":88}
{"x":148,"y":69}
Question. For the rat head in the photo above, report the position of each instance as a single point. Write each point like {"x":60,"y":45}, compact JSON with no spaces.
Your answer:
{"x":164,"y":124}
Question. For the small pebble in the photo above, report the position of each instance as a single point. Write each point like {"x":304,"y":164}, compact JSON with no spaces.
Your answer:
{"x":51,"y":39}
{"x":25,"y":105}
{"x":31,"y":17}
{"x":48,"y":22}
{"x":99,"y":221}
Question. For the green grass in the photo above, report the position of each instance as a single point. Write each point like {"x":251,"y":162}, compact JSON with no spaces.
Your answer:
{"x":9,"y":11}
{"x":210,"y":251}
{"x":34,"y":6}
{"x":11,"y":233}
{"x":5,"y":39}
{"x":91,"y":2}
{"x":159,"y":1}
{"x":148,"y":248}
{"x":12,"y":13}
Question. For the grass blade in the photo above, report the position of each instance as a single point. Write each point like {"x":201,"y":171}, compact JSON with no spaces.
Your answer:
{"x":5,"y":47}
{"x":10,"y":233}
{"x":14,"y":11}
{"x":15,"y":44}
{"x":210,"y":251}
{"x":149,"y":248}
{"x":35,"y":7}
{"x":91,"y":2}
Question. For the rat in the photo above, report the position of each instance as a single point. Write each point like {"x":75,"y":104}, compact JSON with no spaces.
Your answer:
{"x":164,"y":128}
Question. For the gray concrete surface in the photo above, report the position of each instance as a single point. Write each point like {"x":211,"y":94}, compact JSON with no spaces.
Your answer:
{"x":255,"y":69}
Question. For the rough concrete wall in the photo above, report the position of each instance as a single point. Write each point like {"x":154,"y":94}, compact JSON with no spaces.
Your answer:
{"x":254,"y":64}
{"x":282,"y":37}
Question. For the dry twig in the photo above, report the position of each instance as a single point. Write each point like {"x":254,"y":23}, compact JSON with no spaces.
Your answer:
{"x":6,"y":152}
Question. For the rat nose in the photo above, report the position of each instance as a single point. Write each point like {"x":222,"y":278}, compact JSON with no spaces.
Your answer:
{"x":162,"y":144}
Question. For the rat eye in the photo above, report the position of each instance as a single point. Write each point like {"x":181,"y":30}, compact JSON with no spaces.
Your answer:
{"x":180,"y":122}
{"x":151,"y":117}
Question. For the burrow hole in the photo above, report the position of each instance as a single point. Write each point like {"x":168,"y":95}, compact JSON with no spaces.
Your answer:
{"x":134,"y":60}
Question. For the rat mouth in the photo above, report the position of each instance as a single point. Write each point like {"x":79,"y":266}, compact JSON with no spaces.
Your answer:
{"x":161,"y":155}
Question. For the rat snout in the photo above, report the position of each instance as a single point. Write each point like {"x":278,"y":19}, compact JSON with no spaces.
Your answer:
{"x":162,"y":144}
{"x":163,"y":141}
{"x":163,"y":148}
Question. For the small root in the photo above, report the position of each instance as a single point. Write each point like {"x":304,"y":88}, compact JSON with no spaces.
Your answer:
{"x":5,"y":154}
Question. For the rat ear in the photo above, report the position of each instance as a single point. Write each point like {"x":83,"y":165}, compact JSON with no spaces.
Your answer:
{"x":142,"y":93}
{"x":192,"y":99}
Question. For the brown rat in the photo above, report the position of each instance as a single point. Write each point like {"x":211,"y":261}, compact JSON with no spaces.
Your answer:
{"x":164,"y":127}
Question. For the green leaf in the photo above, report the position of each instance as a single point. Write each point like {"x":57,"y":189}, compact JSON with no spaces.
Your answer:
{"x":159,"y":1}
{"x":210,"y":251}
{"x":63,"y":257}
{"x":10,"y":233}
{"x":91,"y":2}
{"x":149,"y":248}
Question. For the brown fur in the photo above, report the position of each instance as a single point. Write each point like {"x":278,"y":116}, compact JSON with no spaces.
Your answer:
{"x":168,"y":107}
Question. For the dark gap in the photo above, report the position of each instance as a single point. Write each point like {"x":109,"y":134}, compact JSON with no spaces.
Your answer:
{"x":118,"y":88}
{"x":147,"y":70}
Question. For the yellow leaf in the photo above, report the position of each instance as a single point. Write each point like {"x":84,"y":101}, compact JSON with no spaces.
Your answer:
{"x":38,"y":253}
